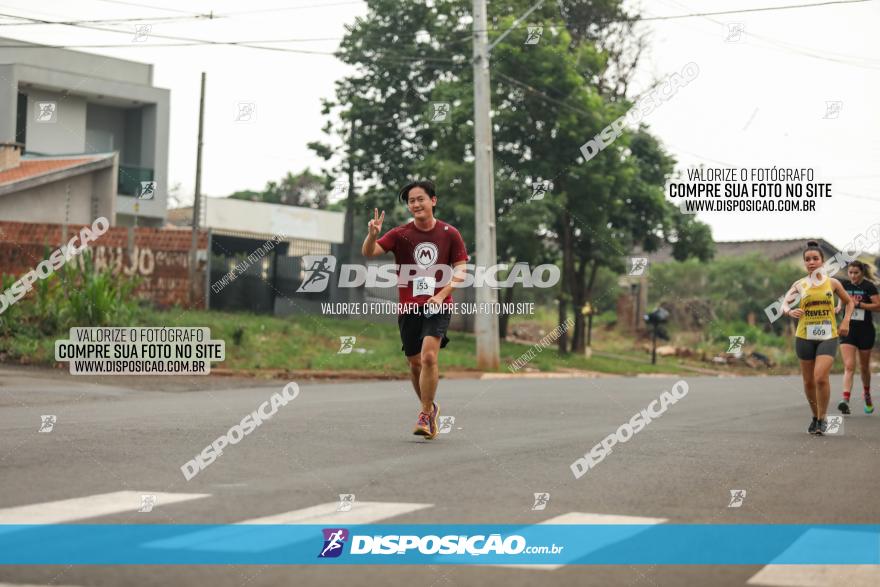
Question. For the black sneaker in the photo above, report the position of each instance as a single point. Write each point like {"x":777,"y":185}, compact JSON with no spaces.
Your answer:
{"x":822,"y":427}
{"x":843,"y":406}
{"x":813,"y":426}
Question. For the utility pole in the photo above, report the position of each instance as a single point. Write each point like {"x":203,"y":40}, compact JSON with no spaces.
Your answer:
{"x":486,"y":323}
{"x":348,"y":245}
{"x":197,"y":208}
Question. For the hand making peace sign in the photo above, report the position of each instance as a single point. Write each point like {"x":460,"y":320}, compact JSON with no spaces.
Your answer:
{"x":375,"y":225}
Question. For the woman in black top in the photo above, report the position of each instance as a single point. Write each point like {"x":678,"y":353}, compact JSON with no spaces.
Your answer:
{"x":860,"y":338}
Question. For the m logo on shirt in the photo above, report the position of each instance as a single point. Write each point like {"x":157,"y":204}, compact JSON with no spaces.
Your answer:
{"x":426,"y":254}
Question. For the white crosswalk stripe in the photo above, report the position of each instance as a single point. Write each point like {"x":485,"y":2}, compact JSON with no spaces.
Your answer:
{"x":786,"y":575}
{"x":587,"y":518}
{"x":362,"y":512}
{"x":92,"y":506}
{"x":817,"y":576}
{"x":229,"y":537}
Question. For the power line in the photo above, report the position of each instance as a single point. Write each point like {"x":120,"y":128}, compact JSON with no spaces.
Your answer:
{"x":390,"y":56}
{"x":288,"y":8}
{"x":113,"y":20}
{"x":145,"y":6}
{"x":864,"y":62}
{"x":255,"y":44}
{"x":189,"y":14}
{"x":552,"y":100}
{"x":540,"y":93}
{"x":636,"y":19}
{"x":747,"y":10}
{"x":189,"y":41}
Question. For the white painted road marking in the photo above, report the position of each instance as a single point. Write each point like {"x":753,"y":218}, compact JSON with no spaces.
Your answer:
{"x":362,"y":512}
{"x":92,"y":506}
{"x":588,"y":518}
{"x":817,"y":576}
{"x":779,"y":574}
{"x":218,"y":539}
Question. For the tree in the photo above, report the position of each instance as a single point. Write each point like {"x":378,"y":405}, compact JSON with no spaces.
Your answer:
{"x":548,"y":99}
{"x":304,"y":189}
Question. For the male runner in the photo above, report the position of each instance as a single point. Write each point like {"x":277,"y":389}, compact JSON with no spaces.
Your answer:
{"x":424,"y":243}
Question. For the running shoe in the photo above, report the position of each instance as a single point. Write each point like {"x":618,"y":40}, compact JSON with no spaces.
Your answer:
{"x":822,"y":427}
{"x":843,"y":406}
{"x":869,"y":406}
{"x":813,"y":425}
{"x":423,"y":426}
{"x":435,"y":420}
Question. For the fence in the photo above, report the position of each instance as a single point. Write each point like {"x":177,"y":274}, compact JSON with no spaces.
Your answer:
{"x":270,"y":286}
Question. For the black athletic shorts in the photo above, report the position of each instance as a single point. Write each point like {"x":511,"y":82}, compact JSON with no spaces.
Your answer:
{"x":415,"y":327}
{"x":860,"y":336}
{"x":806,"y":350}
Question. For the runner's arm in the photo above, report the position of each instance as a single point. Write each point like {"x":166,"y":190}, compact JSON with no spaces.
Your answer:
{"x":846,"y":299}
{"x":371,"y":248}
{"x":874,"y":304}
{"x":792,"y":292}
{"x":458,"y":275}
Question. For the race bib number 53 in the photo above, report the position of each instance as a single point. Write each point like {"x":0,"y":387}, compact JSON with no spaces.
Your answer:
{"x":819,"y":331}
{"x":423,"y":286}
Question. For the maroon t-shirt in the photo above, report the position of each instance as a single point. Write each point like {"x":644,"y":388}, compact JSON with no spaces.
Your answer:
{"x":442,"y":245}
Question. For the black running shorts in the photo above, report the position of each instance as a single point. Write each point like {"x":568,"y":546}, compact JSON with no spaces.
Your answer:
{"x":807,"y":350}
{"x":860,"y":336}
{"x":415,"y":327}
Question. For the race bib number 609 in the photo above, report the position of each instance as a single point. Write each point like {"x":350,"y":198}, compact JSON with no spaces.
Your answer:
{"x":819,"y":331}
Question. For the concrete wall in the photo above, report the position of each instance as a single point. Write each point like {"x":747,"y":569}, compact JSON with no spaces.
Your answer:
{"x":8,"y":102}
{"x":131,"y":152}
{"x":105,"y":130}
{"x":90,"y":195}
{"x":263,"y":218}
{"x":76,"y":62}
{"x":64,"y":136}
{"x":154,"y":154}
{"x":149,"y":151}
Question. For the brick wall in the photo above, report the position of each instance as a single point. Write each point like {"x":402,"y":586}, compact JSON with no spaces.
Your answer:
{"x":159,"y":256}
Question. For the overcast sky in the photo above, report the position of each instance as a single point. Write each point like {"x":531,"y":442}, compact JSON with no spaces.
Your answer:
{"x":758,"y":101}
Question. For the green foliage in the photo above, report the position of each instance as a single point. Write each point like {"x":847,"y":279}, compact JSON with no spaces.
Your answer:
{"x":734,"y":287}
{"x":756,"y":336}
{"x":95,"y":298}
{"x":302,"y":189}
{"x":76,"y":295}
{"x":548,"y":99}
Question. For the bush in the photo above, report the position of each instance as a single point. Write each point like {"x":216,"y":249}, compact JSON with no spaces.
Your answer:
{"x":756,"y":336}
{"x":76,"y":295}
{"x":732,"y":287}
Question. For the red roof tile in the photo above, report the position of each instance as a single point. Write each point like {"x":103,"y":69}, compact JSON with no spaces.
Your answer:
{"x":33,"y":167}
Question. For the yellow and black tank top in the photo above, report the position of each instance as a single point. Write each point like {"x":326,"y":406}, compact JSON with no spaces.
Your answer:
{"x":817,"y":302}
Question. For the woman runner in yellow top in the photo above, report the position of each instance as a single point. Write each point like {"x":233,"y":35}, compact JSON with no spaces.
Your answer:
{"x":816,"y":339}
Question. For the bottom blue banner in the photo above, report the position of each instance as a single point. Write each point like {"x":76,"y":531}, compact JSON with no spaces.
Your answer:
{"x":453,"y":544}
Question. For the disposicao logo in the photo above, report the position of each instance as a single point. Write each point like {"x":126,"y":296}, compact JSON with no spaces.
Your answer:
{"x":318,"y":270}
{"x":334,"y":540}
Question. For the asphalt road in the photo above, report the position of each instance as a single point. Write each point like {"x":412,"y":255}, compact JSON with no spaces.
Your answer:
{"x":510,"y":439}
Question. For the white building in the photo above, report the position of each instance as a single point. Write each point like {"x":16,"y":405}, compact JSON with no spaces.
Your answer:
{"x":59,"y":102}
